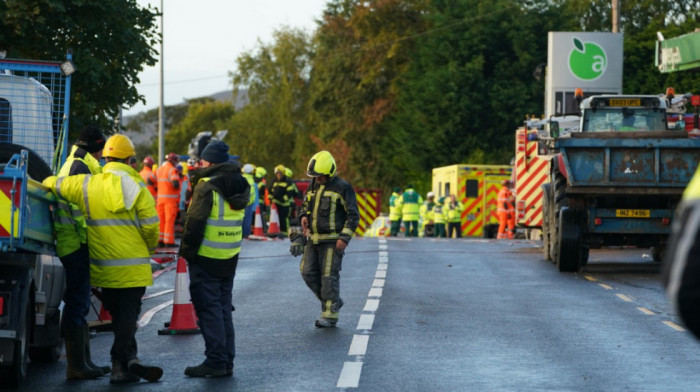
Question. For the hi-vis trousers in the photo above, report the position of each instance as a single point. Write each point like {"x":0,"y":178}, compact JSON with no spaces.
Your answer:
{"x":320,"y":268}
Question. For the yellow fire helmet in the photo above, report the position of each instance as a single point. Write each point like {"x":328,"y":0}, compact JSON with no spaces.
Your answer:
{"x":119,"y":146}
{"x":279,"y":169}
{"x":321,"y":164}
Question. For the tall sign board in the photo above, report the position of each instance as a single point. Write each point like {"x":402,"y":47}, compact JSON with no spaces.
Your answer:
{"x":590,"y":61}
{"x":679,"y":53}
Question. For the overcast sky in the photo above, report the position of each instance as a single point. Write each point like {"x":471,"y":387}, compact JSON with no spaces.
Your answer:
{"x":203,"y":38}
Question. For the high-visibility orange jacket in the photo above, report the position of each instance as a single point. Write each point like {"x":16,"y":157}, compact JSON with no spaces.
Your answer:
{"x":150,"y":179}
{"x":167,"y":176}
{"x":505,"y":200}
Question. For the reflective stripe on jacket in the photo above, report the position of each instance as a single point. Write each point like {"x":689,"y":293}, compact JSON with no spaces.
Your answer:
{"x":69,"y":223}
{"x":332,"y":211}
{"x":122,"y":223}
{"x":505,"y":200}
{"x":166,"y":174}
{"x":224,"y":231}
{"x":282,"y":191}
{"x":439,"y":213}
{"x":395,"y":207}
{"x":454,"y":211}
{"x":411,"y":202}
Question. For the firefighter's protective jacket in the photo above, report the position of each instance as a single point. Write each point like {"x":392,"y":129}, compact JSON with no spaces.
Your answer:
{"x":122,"y":223}
{"x":331,"y":210}
{"x":217,"y":186}
{"x":682,"y":259}
{"x":282,"y":191}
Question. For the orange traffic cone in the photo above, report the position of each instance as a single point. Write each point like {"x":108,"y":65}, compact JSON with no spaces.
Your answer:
{"x":258,"y":233}
{"x":273,"y":229}
{"x":183,"y":320}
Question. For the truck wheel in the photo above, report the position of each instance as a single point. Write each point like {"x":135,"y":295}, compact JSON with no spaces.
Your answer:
{"x":546,"y":228}
{"x":570,"y":247}
{"x":560,"y":201}
{"x":50,"y":353}
{"x":37,"y":168}
{"x":17,"y":371}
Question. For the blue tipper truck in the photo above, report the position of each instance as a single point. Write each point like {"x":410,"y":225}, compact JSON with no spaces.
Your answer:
{"x":618,"y":178}
{"x":34,"y":107}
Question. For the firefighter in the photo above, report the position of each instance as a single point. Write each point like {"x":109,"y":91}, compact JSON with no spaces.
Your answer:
{"x":72,"y":250}
{"x":410,"y":210}
{"x":249,"y":175}
{"x":117,"y":204}
{"x":211,"y":242}
{"x":329,"y":217}
{"x":681,"y":270}
{"x":282,"y":196}
{"x":395,"y":212}
{"x":506,"y":211}
{"x":149,"y":177}
{"x":454,"y":217}
{"x":439,"y":218}
{"x":168,"y":199}
{"x":427,"y":225}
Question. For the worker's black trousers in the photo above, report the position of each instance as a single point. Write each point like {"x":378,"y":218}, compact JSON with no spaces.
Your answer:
{"x":124,"y":305}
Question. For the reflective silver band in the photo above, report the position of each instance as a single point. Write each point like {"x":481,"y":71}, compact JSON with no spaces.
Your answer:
{"x":221,"y":245}
{"x":120,"y":262}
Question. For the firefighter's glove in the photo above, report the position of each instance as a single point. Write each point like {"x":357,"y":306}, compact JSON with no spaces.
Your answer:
{"x":298,"y":243}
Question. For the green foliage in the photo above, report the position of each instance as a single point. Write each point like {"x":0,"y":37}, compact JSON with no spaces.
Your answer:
{"x":111,"y":41}
{"x":202,"y":116}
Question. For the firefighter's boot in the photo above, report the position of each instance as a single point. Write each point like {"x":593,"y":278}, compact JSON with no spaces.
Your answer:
{"x":88,"y":359}
{"x":121,"y":374}
{"x":77,"y":369}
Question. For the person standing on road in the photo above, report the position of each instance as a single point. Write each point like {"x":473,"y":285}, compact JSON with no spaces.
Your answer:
{"x":410,"y":210}
{"x":329,"y":217}
{"x":72,"y":250}
{"x":149,"y":177}
{"x":282,"y":196}
{"x":122,"y":232}
{"x":426,"y":225}
{"x":249,"y":175}
{"x":454,"y":217}
{"x":168,"y":199}
{"x":439,"y":218}
{"x":211,"y":242}
{"x":506,"y":212}
{"x":395,"y":212}
{"x":681,"y":272}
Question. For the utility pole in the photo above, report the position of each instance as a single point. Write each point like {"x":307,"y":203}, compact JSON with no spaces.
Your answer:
{"x":615,"y":16}
{"x":161,"y":108}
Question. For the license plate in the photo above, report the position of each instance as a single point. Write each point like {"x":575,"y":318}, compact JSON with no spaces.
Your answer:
{"x":632,"y":213}
{"x":625,"y":102}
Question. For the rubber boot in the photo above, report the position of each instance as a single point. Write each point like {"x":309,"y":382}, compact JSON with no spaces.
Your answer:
{"x":121,"y":374}
{"x":88,"y":359}
{"x":77,"y":369}
{"x":147,"y":372}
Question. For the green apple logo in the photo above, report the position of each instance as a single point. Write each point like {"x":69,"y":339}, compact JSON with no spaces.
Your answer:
{"x":587,"y":61}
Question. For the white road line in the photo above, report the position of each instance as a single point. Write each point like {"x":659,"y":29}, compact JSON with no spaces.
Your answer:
{"x":383,"y":254}
{"x":375,"y":292}
{"x":378,"y":283}
{"x":382,"y":247}
{"x":380,"y":274}
{"x":645,"y":311}
{"x":605,"y":286}
{"x":384,"y":259}
{"x":146,"y":318}
{"x":366,"y":321}
{"x":359,"y":345}
{"x":624,"y":297}
{"x":674,"y":326}
{"x":382,"y":267}
{"x":350,"y":375}
{"x":371,"y":305}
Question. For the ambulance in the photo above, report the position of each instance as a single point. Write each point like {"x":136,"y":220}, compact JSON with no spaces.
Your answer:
{"x":476,"y":187}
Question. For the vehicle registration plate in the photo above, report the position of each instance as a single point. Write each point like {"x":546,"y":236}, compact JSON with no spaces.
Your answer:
{"x":625,"y":102}
{"x":632,"y":213}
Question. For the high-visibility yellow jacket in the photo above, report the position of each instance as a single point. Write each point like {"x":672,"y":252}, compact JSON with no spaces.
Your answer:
{"x":426,"y":211}
{"x":395,"y":207}
{"x":122,"y":223}
{"x":410,"y":201}
{"x":69,"y":223}
{"x":438,"y":214}
{"x":454,"y":211}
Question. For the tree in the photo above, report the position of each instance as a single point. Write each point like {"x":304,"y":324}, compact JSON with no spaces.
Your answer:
{"x":111,"y":41}
{"x":203,"y":115}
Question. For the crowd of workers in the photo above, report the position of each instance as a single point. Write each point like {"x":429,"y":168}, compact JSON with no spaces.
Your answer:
{"x":442,"y":218}
{"x":98,"y":203}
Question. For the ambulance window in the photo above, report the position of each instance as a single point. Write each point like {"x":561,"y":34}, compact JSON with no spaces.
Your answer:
{"x":472,"y":188}
{"x":447,"y":189}
{"x":5,"y":121}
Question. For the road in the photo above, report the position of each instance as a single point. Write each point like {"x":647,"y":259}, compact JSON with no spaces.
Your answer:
{"x":428,"y":315}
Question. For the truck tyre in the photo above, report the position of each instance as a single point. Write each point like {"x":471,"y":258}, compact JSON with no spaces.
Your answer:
{"x":546,"y":227}
{"x":558,"y":193}
{"x":51,"y":353}
{"x":37,"y":168}
{"x":570,"y":246}
{"x":17,"y":371}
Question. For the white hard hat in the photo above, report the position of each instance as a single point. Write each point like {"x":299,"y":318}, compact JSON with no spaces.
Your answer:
{"x":248,"y":168}
{"x":431,"y":194}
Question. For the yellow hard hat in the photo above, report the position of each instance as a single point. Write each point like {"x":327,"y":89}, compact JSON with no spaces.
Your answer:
{"x":260,"y":172}
{"x":288,"y":172}
{"x":321,"y":164}
{"x":119,"y":146}
{"x":279,"y":169}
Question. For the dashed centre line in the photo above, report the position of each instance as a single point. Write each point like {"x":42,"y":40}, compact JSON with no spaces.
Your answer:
{"x":645,"y":311}
{"x":624,"y":297}
{"x":674,"y":326}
